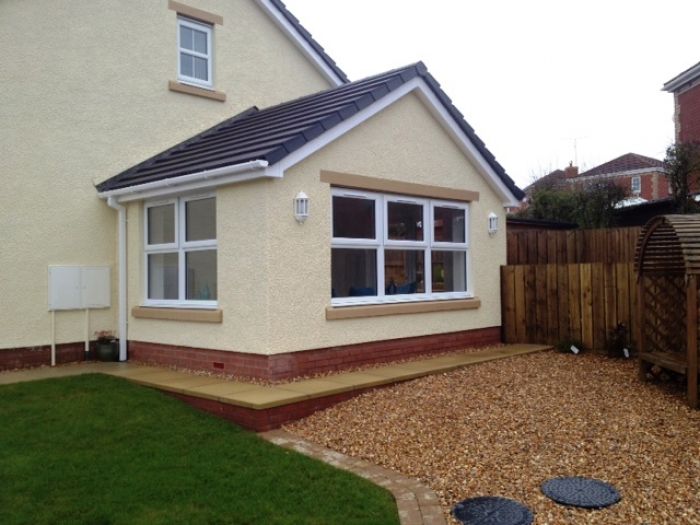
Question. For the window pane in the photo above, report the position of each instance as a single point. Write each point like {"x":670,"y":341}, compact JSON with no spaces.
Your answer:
{"x":201,"y":275}
{"x":200,"y":42}
{"x":200,"y":68}
{"x":404,"y":271}
{"x":200,"y":219}
{"x":186,"y":37}
{"x":405,"y":221}
{"x":162,"y":276}
{"x":353,"y":272}
{"x":449,"y":225}
{"x":161,"y":224}
{"x":353,"y":218}
{"x":449,"y":271}
{"x":186,"y":65}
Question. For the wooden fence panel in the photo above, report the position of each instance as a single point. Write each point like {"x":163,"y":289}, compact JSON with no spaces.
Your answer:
{"x":550,"y":303}
{"x":610,"y":245}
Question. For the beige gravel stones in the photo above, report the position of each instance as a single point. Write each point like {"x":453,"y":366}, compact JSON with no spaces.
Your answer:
{"x":502,"y":428}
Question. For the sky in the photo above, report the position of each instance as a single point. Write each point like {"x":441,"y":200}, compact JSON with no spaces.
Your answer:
{"x":543,"y":83}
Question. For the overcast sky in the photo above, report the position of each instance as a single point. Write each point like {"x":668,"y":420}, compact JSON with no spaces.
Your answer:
{"x":542,"y":82}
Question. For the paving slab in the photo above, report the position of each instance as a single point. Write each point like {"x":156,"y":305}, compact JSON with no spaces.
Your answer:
{"x":314,"y":387}
{"x":358,"y":379}
{"x":215,"y":391}
{"x":262,"y":397}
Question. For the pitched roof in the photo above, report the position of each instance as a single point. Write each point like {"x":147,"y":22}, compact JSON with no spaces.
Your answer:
{"x":627,"y":162}
{"x":554,"y":179}
{"x":294,"y":21}
{"x":273,"y":133}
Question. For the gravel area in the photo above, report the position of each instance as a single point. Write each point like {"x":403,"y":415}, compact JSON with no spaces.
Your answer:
{"x":502,"y":428}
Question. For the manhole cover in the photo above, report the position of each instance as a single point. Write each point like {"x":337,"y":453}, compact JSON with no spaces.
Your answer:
{"x":490,"y":510}
{"x":581,"y":492}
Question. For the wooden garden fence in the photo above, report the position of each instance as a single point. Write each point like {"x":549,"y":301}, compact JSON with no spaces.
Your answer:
{"x":549,"y":303}
{"x":611,"y":245}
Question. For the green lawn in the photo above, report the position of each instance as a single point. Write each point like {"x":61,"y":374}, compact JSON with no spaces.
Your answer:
{"x":96,"y":449}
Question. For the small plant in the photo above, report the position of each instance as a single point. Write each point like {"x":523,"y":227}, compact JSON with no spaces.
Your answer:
{"x":569,"y":346}
{"x":104,"y":336}
{"x":618,"y":342}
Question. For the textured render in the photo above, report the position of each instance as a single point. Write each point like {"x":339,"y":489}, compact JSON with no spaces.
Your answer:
{"x":79,"y":106}
{"x":275,"y":273}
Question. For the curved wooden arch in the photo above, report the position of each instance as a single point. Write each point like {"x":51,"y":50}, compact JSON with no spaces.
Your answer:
{"x":669,"y":244}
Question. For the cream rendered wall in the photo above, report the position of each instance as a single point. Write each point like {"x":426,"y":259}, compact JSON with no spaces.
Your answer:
{"x":274,"y":274}
{"x":84,"y":96}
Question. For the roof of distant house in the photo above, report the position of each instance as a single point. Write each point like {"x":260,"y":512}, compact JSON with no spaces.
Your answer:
{"x":690,"y":74}
{"x":273,"y":133}
{"x":553,"y":179}
{"x":625,"y":163}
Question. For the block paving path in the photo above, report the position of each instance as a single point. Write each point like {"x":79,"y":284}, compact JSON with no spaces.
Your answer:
{"x":416,"y":503}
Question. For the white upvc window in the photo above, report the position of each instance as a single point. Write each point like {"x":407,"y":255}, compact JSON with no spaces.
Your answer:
{"x":194,"y":44}
{"x":636,"y":185}
{"x":392,"y":248}
{"x":181,"y":252}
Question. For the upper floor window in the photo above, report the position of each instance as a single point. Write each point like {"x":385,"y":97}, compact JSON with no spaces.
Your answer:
{"x":636,"y":184}
{"x":392,"y":248}
{"x":180,"y":248}
{"x":194,"y":52}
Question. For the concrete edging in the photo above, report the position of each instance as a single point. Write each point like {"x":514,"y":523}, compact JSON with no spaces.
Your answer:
{"x":416,"y":503}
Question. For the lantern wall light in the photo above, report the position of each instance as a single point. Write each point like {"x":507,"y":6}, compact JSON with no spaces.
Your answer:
{"x":301,"y":207}
{"x":493,"y":224}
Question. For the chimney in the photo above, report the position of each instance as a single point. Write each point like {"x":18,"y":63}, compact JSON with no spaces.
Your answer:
{"x":571,"y":171}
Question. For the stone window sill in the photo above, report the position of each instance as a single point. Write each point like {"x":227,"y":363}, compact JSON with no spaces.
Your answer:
{"x":196,"y":91}
{"x":193,"y":315}
{"x":375,"y":310}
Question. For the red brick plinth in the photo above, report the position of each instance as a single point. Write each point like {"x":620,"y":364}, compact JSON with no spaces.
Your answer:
{"x":33,"y":356}
{"x":295,"y":364}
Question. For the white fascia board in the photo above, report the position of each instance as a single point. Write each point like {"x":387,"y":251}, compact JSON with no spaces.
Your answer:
{"x":208,"y":179}
{"x":436,"y":108}
{"x":309,"y":52}
{"x":691,"y":75}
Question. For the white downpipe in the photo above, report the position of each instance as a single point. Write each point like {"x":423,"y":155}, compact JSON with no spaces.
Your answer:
{"x":53,"y":337}
{"x":112,"y":203}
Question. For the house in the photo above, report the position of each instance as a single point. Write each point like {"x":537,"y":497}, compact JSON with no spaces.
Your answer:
{"x":686,"y":97}
{"x":643,"y":178}
{"x":261,"y":214}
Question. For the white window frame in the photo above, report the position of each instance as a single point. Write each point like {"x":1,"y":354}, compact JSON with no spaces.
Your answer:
{"x":636,"y":181}
{"x":209,"y":57}
{"x":182,"y":247}
{"x":382,"y":243}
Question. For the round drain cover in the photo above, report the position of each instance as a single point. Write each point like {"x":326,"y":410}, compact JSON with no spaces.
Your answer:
{"x":581,"y":492}
{"x":490,"y":510}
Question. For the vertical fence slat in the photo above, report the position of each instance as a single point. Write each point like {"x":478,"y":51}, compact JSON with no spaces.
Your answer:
{"x":508,"y":303}
{"x":520,"y":321}
{"x":598,"y":300}
{"x":541,"y":291}
{"x":552,"y":305}
{"x":586,"y":306}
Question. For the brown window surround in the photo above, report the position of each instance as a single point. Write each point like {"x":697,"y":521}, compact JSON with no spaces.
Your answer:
{"x":194,"y":315}
{"x":197,"y":14}
{"x":375,"y":310}
{"x":362,"y":182}
{"x":197,"y":91}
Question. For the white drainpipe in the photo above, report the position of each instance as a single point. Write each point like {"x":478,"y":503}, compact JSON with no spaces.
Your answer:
{"x":112,"y":203}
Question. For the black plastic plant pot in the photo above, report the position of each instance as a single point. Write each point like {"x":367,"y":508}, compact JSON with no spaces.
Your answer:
{"x":107,"y":350}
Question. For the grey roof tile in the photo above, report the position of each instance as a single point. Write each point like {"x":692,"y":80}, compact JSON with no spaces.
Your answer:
{"x":273,"y":133}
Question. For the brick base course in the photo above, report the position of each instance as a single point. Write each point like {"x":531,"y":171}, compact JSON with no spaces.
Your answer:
{"x":295,"y":364}
{"x":33,"y":356}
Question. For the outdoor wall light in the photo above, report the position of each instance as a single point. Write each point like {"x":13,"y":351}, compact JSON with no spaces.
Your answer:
{"x":301,"y":207}
{"x":493,"y":223}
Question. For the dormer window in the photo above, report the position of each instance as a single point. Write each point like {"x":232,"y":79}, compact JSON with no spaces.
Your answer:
{"x":195,"y":53}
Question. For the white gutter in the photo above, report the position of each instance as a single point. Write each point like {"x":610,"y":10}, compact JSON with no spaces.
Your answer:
{"x":254,"y":169}
{"x":112,"y":203}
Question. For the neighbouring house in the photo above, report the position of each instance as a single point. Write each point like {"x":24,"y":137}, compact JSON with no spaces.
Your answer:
{"x":643,"y":178}
{"x":686,"y":102}
{"x":261,"y":214}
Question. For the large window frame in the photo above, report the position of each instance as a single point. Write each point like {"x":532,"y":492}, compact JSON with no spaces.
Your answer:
{"x":180,"y":246}
{"x":382,"y":244}
{"x":208,"y":56}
